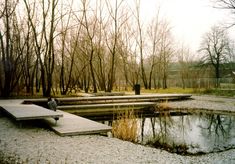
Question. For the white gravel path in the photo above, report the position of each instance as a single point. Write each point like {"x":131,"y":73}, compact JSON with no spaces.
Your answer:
{"x":31,"y":144}
{"x":206,"y":102}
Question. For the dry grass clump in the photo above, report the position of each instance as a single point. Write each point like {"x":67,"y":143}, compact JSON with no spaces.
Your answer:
{"x":125,"y":126}
{"x":163,"y":106}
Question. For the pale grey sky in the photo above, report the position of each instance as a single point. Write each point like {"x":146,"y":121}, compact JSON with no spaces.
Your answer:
{"x":190,"y":19}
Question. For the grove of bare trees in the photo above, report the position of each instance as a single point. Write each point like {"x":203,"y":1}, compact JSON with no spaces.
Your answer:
{"x":56,"y":46}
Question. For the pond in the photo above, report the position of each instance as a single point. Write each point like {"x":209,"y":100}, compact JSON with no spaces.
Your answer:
{"x":184,"y":134}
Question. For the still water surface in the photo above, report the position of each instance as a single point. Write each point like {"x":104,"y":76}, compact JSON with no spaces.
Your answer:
{"x":200,"y":133}
{"x":194,"y":133}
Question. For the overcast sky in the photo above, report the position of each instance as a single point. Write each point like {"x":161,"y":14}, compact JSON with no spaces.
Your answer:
{"x":190,"y":19}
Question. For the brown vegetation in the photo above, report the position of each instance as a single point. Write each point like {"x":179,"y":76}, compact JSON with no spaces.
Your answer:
{"x":125,"y":127}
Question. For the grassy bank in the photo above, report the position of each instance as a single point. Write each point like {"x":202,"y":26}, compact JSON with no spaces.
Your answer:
{"x":230,"y":92}
{"x":220,"y":92}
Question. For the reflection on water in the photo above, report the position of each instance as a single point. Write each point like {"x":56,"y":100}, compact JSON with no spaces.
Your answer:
{"x":201,"y":133}
{"x":187,"y":134}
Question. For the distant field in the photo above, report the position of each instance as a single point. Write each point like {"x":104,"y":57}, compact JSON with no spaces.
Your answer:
{"x":226,"y":89}
{"x":170,"y":90}
{"x":227,"y":85}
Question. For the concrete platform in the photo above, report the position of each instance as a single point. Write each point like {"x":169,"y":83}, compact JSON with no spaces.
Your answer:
{"x":129,"y":97}
{"x":111,"y":105}
{"x":29,"y":112}
{"x":71,"y":124}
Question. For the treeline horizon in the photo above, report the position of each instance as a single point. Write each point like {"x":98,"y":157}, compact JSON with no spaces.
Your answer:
{"x":81,"y":44}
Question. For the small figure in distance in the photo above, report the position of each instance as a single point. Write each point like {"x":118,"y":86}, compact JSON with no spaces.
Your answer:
{"x":52,"y":104}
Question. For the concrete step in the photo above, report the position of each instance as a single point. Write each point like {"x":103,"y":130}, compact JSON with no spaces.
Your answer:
{"x":71,"y":125}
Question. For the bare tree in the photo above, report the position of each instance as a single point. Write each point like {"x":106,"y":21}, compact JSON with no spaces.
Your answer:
{"x":10,"y":44}
{"x":185,"y":65}
{"x":29,"y":64}
{"x":50,"y":55}
{"x":126,"y":56}
{"x":64,"y":32}
{"x":69,"y":37}
{"x":44,"y":41}
{"x":101,"y":51}
{"x":214,"y":47}
{"x":115,"y":28}
{"x":154,"y":38}
{"x":37,"y":39}
{"x":90,"y":33}
{"x":83,"y":60}
{"x":226,"y":5}
{"x":166,"y":52}
{"x":140,"y":42}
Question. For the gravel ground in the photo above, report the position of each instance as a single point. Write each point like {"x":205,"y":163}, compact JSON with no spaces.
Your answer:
{"x":206,"y":102}
{"x":33,"y":143}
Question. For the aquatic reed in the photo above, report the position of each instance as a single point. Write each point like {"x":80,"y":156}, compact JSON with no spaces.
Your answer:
{"x":125,"y":126}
